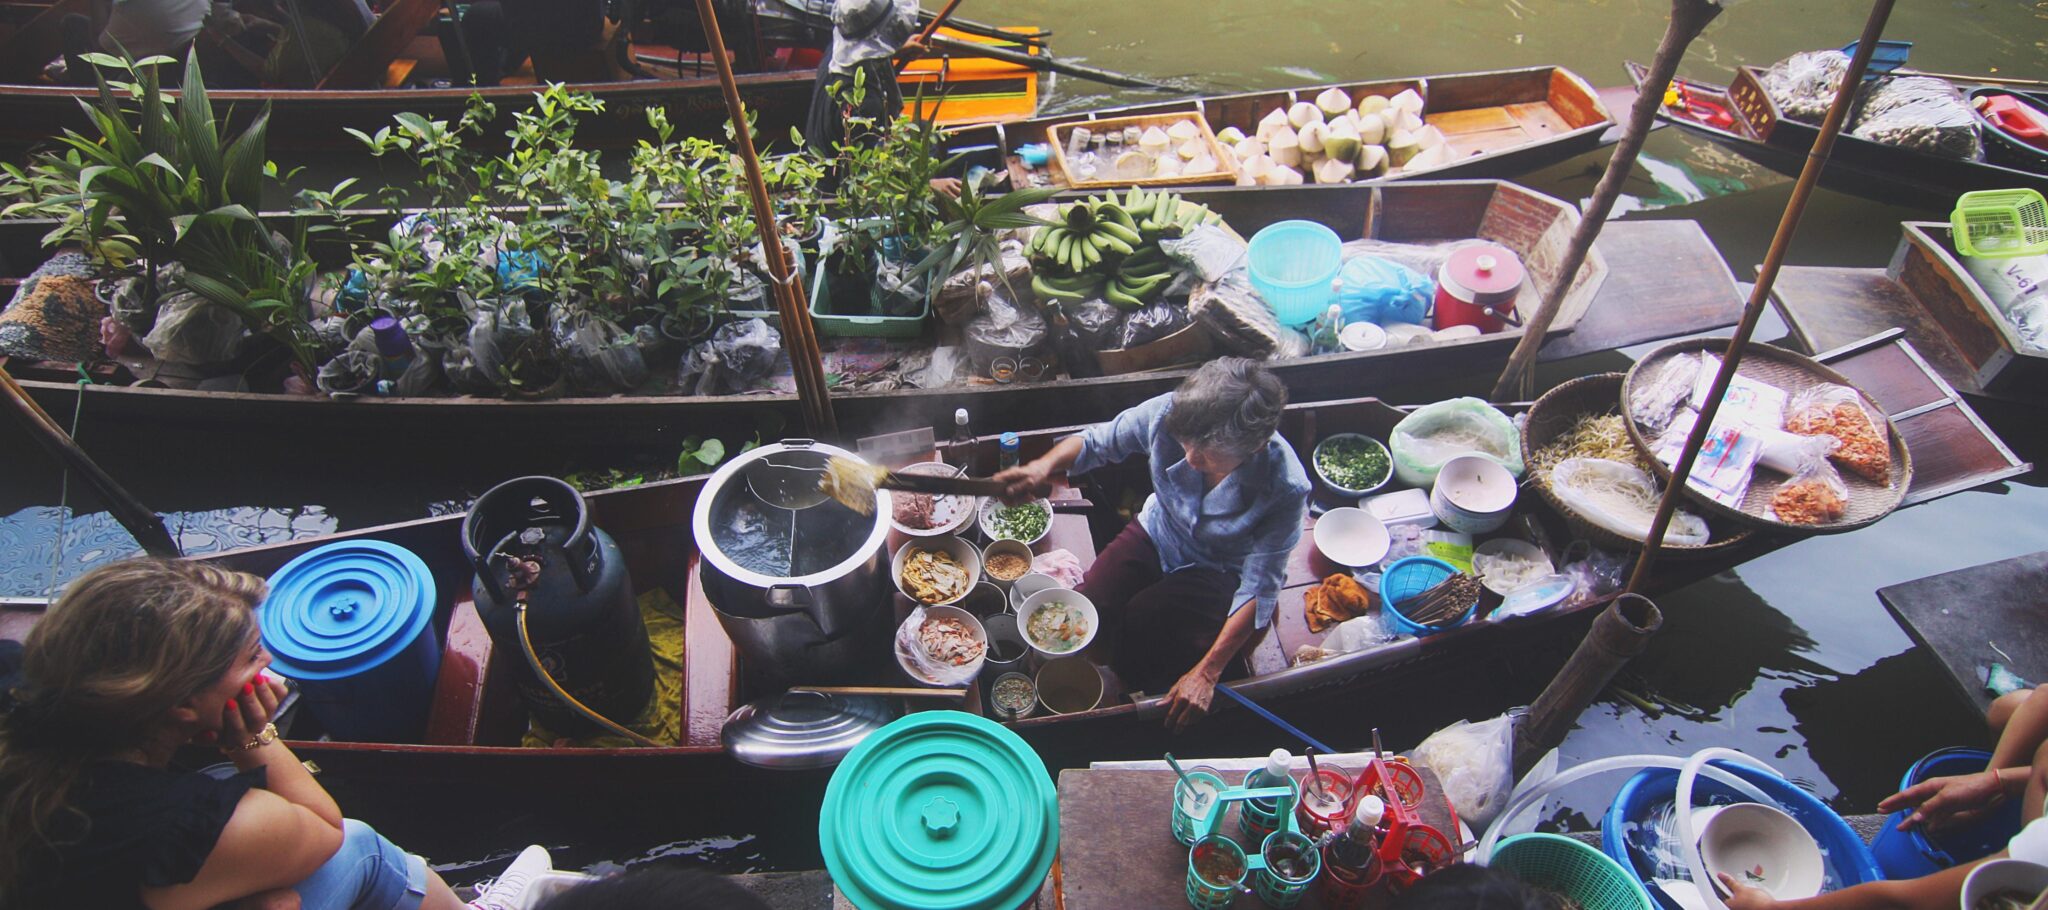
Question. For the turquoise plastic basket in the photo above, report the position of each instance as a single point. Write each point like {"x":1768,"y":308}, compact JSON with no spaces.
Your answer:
{"x":1407,"y":577}
{"x":1578,"y":871}
{"x":1294,"y":267}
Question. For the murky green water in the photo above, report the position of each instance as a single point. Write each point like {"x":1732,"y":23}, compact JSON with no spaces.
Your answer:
{"x":1790,"y":657}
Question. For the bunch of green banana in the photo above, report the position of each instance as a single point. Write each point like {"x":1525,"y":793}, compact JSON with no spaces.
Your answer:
{"x":1090,"y":233}
{"x":1165,"y":214}
{"x":1108,"y":247}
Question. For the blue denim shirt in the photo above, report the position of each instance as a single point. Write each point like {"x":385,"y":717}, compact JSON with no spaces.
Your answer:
{"x":1248,"y":524}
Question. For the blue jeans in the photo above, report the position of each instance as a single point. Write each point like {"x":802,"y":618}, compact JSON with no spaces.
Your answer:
{"x":367,"y":873}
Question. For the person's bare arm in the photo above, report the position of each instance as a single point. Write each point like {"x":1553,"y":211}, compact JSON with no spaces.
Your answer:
{"x":2023,"y":735}
{"x":284,"y":774}
{"x":1189,"y":699}
{"x":269,"y":843}
{"x":1034,"y":478}
{"x":1939,"y":891}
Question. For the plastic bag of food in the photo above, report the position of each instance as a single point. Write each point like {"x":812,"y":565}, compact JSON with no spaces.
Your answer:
{"x":735,"y":357}
{"x":1920,"y":113}
{"x":898,"y":290}
{"x":1595,"y":573}
{"x":597,"y":354}
{"x":939,"y":647}
{"x":1242,"y":321}
{"x":1361,"y":633}
{"x":1839,"y":411}
{"x":1621,"y":498}
{"x":1003,"y":324}
{"x":2030,"y":323}
{"x":1476,"y":765}
{"x":962,"y":294}
{"x":1098,"y":323}
{"x":1436,"y":433}
{"x":1803,"y":85}
{"x":1376,"y":289}
{"x":1657,"y":399}
{"x":1152,"y":322}
{"x":193,"y":330}
{"x":1815,"y":495}
{"x":1209,"y":251}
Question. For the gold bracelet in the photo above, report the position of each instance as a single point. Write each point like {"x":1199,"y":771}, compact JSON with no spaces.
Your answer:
{"x":263,"y":737}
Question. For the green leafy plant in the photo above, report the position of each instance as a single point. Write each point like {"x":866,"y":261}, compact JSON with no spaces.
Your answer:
{"x":885,"y":189}
{"x":969,"y":237}
{"x":700,"y":455}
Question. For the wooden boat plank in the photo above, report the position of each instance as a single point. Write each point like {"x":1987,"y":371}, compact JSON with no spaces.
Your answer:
{"x":711,"y":668}
{"x":1538,"y":120}
{"x":1474,"y":120}
{"x":1114,"y":848}
{"x":1826,"y":307}
{"x":1964,"y":619}
{"x":1471,"y":143}
{"x":1691,"y":291}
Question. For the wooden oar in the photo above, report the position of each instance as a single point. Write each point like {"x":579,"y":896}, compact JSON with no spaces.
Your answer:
{"x":1046,"y":62}
{"x":890,"y":691}
{"x":146,"y":526}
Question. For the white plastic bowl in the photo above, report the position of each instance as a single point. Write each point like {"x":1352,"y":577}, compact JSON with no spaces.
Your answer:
{"x":1351,"y":537}
{"x":1761,"y":846}
{"x":1068,"y":596}
{"x":967,"y":671}
{"x":1030,"y":584}
{"x":961,"y":550}
{"x":966,"y":507}
{"x":1473,"y":494}
{"x":988,"y":510}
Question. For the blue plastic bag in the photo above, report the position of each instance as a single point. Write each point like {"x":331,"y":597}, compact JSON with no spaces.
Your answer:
{"x":1379,"y":290}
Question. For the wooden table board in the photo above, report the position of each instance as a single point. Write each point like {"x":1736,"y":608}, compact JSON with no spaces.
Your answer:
{"x":1691,"y":291}
{"x":1116,"y":848}
{"x":1959,"y":616}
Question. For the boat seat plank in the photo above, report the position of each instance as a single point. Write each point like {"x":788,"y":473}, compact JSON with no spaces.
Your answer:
{"x":1114,"y":848}
{"x":1691,"y":291}
{"x":710,"y":668}
{"x":473,"y":702}
{"x":1829,"y":307}
{"x":1953,"y":450}
{"x":1894,"y":380}
{"x":1539,"y":119}
{"x":1959,"y":617}
{"x":1466,"y":145}
{"x":1473,"y":120}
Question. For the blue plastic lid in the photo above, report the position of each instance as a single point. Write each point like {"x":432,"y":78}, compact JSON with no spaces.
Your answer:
{"x":941,"y":809}
{"x":345,"y":608}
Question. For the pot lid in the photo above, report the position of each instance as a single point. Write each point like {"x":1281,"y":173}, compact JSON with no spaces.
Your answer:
{"x":345,"y":608}
{"x":1486,"y":268}
{"x":796,"y":730}
{"x":940,"y":809}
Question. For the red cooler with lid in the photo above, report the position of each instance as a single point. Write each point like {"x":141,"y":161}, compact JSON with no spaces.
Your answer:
{"x":1474,"y":284}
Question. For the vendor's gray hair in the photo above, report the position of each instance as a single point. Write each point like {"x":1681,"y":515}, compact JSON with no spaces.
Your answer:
{"x":1231,"y":405}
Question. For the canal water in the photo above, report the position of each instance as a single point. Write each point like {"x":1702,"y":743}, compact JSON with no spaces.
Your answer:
{"x":1789,"y":658}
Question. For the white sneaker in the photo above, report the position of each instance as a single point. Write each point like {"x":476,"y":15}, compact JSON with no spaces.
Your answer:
{"x":509,"y":891}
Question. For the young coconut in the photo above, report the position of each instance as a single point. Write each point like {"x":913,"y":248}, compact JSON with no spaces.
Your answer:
{"x":1201,"y":164}
{"x":1372,"y":161}
{"x":1251,"y":147}
{"x":1230,"y":136}
{"x":1193,"y":148}
{"x":1340,"y":140}
{"x":1391,"y":117}
{"x":1430,"y":137}
{"x":1334,"y":102}
{"x":1402,"y":147}
{"x":1303,"y":113}
{"x":1285,"y":176}
{"x":1434,"y":156}
{"x":1285,"y":147}
{"x":1410,"y":121}
{"x":1255,"y":167}
{"x":1330,"y":170}
{"x":1166,"y":166}
{"x":1273,"y":121}
{"x":1183,"y":130}
{"x":1372,"y":130}
{"x":1311,"y":138}
{"x":1372,"y":104}
{"x":1154,"y":142}
{"x":1408,"y":101}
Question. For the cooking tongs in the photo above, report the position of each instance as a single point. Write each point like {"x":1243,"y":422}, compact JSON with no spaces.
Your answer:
{"x":798,"y":486}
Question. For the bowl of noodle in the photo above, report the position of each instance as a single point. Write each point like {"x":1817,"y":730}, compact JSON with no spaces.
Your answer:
{"x":936,"y":570}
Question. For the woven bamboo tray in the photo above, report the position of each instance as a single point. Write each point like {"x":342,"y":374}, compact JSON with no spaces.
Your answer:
{"x":1056,"y":136}
{"x":1553,"y":415}
{"x":1867,"y":501}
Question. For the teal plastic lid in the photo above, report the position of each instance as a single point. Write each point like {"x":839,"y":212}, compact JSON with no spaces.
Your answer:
{"x":941,"y":809}
{"x":344,"y":608}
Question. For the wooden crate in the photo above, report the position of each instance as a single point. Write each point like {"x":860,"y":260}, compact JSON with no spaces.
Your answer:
{"x":1058,"y":134}
{"x":1929,"y":268}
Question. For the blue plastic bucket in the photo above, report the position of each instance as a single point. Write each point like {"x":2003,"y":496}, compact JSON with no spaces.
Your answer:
{"x":1848,"y":859}
{"x":1912,"y":854}
{"x":1294,"y":267}
{"x":1408,"y":577}
{"x":352,"y":622}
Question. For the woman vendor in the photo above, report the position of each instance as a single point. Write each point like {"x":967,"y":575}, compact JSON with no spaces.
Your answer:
{"x":1228,"y":502}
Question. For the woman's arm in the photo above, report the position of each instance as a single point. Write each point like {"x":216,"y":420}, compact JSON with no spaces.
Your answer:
{"x":1189,"y":698}
{"x":269,"y":843}
{"x":284,"y":774}
{"x":1034,"y":478}
{"x":1939,"y":891}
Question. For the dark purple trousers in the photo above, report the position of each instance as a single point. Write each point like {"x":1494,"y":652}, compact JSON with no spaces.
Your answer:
{"x":1157,"y":625}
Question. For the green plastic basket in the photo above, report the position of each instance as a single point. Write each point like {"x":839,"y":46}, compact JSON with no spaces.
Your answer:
{"x":2001,"y":223}
{"x":1579,"y":872}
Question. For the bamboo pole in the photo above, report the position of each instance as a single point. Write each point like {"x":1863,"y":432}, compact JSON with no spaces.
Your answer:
{"x":1621,"y":631}
{"x":1788,"y":225}
{"x":146,"y":526}
{"x":799,"y":337}
{"x":1688,"y":19}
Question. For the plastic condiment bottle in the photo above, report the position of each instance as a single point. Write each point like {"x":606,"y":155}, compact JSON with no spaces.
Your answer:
{"x":1009,"y":451}
{"x":960,"y":450}
{"x":1274,"y":774}
{"x":1354,"y":854}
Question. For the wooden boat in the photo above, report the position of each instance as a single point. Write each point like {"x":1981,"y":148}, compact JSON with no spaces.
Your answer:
{"x":1928,"y":293}
{"x":1645,"y":281}
{"x":1754,"y":128}
{"x":469,"y":768}
{"x":777,"y":68}
{"x":1498,"y":123}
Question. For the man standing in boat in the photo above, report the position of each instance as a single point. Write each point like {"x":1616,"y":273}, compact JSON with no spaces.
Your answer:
{"x":1185,"y":586}
{"x":857,"y":78}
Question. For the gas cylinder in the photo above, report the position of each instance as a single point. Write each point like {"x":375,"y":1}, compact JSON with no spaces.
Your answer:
{"x":534,"y":548}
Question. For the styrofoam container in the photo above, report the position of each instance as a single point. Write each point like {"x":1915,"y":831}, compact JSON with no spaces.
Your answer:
{"x":1401,"y":507}
{"x":1473,"y":494}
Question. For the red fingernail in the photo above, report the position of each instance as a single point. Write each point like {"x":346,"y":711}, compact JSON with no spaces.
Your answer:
{"x":248,"y":688}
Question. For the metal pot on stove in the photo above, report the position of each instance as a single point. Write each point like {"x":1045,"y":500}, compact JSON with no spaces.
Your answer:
{"x":799,"y":581}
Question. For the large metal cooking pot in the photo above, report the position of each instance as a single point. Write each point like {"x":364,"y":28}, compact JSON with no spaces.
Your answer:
{"x":802,"y":591}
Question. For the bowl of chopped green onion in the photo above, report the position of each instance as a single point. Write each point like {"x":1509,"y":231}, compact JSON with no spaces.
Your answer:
{"x":1352,"y":464}
{"x":1027,"y":522}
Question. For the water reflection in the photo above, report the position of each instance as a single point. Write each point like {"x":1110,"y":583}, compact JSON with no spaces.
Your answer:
{"x":44,"y":547}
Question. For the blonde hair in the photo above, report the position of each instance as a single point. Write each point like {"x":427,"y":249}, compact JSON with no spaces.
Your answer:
{"x":101,"y":671}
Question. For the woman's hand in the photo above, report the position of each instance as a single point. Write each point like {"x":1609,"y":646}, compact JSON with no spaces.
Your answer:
{"x":1940,"y":802}
{"x":247,"y":714}
{"x":1744,"y":897}
{"x":1026,"y":482}
{"x":1188,"y":700}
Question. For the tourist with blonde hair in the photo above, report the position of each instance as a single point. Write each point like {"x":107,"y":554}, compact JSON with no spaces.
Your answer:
{"x":135,"y":660}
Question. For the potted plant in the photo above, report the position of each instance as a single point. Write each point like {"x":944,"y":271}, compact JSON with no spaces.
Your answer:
{"x":887,"y":212}
{"x":969,"y":238}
